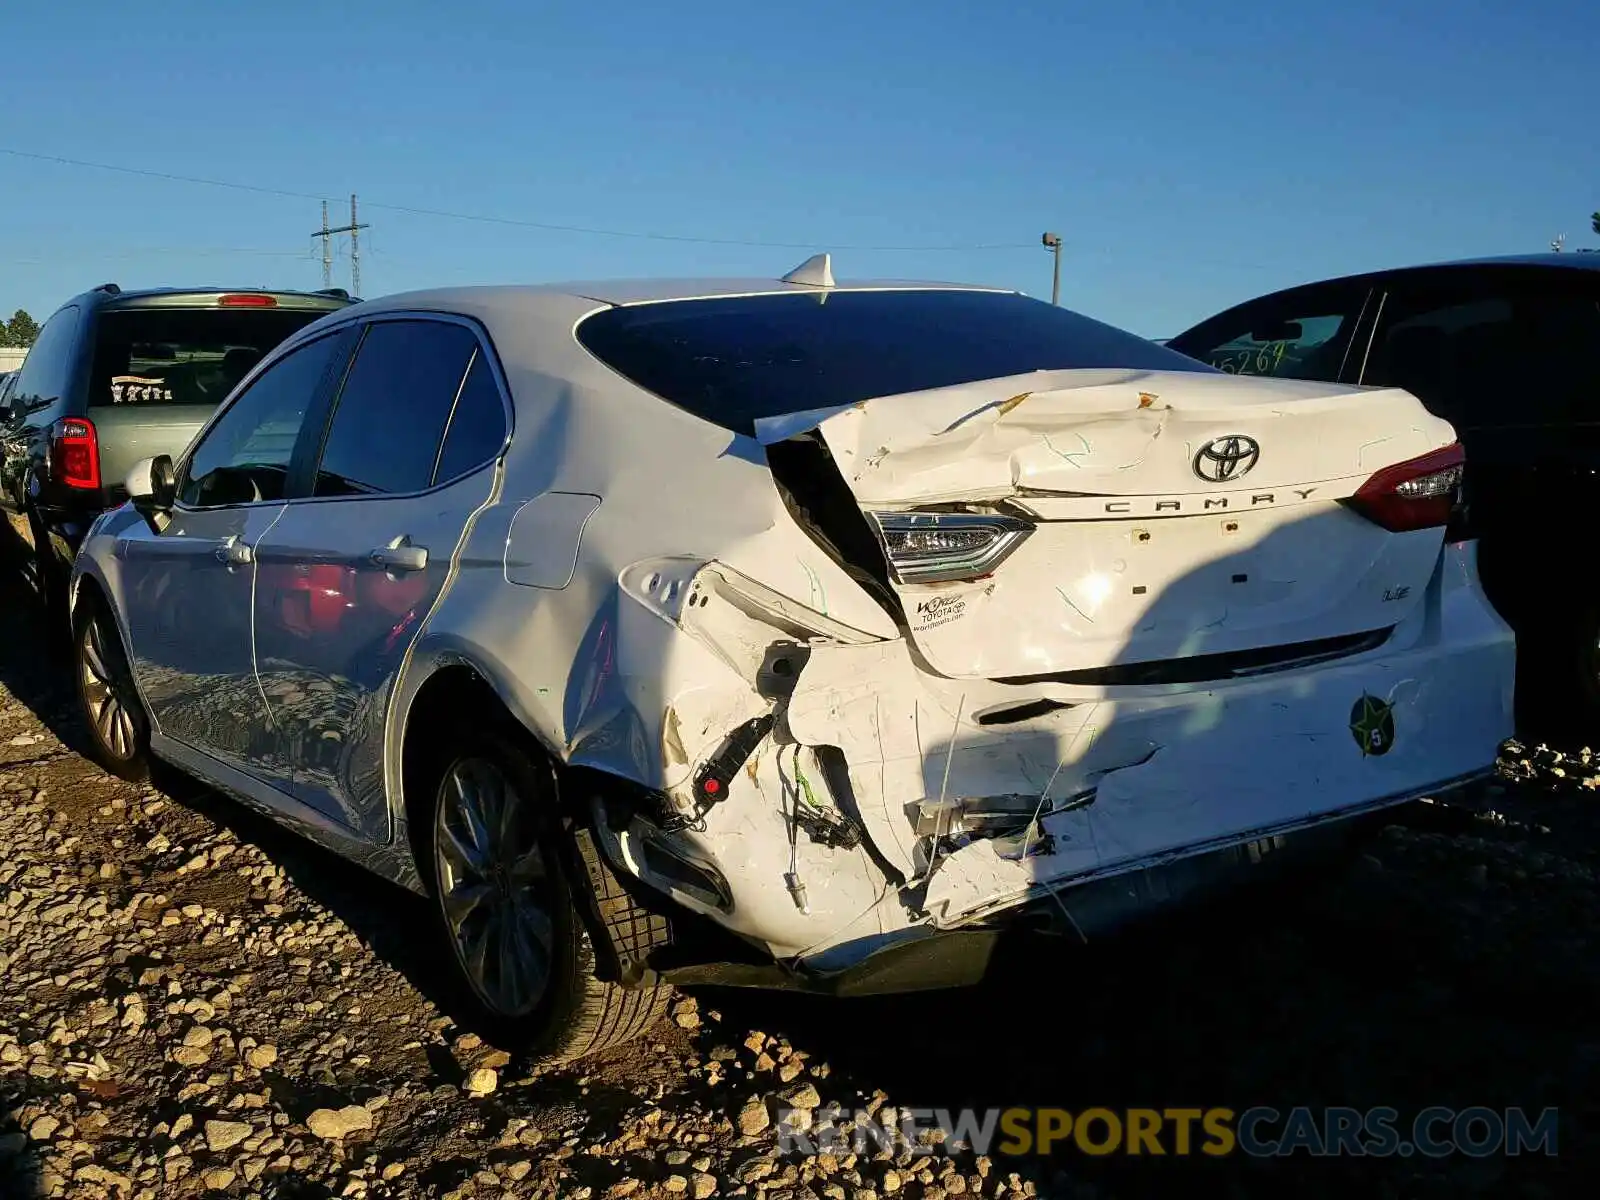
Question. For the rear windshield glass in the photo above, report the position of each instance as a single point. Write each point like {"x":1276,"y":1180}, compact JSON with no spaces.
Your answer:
{"x":183,"y":356}
{"x":736,"y":360}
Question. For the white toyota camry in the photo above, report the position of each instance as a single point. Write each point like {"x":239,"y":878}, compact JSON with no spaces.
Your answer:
{"x":784,"y":632}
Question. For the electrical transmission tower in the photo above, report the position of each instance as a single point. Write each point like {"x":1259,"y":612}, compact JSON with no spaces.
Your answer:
{"x":354,"y":230}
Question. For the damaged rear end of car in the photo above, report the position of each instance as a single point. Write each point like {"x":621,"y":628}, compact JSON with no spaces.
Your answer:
{"x":1098,"y":627}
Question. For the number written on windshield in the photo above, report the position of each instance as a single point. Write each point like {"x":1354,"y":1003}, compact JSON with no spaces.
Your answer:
{"x":1251,"y":360}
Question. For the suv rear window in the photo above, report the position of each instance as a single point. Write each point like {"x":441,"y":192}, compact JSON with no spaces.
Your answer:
{"x":183,"y":356}
{"x":735,"y":360}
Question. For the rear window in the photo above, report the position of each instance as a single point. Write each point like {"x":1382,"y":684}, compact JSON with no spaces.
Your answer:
{"x":736,"y":360}
{"x":149,"y":356}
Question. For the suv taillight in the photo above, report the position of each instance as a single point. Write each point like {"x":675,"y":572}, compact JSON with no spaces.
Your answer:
{"x":1423,"y":493}
{"x":74,"y":453}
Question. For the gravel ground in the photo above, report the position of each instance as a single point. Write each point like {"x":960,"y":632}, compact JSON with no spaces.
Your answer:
{"x":193,"y":1002}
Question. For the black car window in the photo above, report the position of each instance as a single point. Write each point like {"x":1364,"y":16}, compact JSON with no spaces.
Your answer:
{"x":1521,"y":355}
{"x":245,"y":455}
{"x":45,"y":374}
{"x":477,"y":426}
{"x":736,"y":360}
{"x":1303,"y":335}
{"x":155,"y":355}
{"x":391,"y":414}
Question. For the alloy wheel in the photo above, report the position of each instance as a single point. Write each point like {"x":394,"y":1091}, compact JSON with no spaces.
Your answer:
{"x":495,"y":888}
{"x":107,"y":692}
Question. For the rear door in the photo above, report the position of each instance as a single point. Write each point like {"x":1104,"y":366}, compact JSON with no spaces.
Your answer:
{"x":350,"y":572}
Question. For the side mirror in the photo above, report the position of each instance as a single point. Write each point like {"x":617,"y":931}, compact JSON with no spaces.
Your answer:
{"x":151,"y":483}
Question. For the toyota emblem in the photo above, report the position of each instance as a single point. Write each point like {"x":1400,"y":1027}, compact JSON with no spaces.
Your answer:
{"x":1226,"y":458}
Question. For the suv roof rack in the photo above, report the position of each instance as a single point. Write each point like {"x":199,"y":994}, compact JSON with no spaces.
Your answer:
{"x":109,"y":289}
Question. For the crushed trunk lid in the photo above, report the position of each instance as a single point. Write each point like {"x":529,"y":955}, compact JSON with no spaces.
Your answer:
{"x":1063,"y":523}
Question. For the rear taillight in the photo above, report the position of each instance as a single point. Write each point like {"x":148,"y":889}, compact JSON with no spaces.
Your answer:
{"x":1424,"y":493}
{"x":927,"y":547}
{"x":247,"y":300}
{"x":74,"y":453}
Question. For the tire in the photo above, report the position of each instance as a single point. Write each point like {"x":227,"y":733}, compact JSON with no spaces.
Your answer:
{"x":534,"y":988}
{"x":114,"y":719}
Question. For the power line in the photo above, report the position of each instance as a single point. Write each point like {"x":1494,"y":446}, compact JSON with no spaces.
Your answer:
{"x":515,"y":222}
{"x":161,"y":252}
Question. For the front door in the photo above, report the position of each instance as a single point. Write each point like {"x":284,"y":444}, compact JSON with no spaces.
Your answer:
{"x":349,"y":574}
{"x":187,"y":587}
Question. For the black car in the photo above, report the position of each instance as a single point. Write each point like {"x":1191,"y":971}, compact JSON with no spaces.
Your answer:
{"x":1508,"y":351}
{"x":117,"y":376}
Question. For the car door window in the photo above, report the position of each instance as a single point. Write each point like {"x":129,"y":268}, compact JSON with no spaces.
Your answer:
{"x":1491,"y":355}
{"x":1305,"y":335}
{"x":44,"y":374}
{"x":477,"y":429}
{"x":245,"y":456}
{"x":390,"y":419}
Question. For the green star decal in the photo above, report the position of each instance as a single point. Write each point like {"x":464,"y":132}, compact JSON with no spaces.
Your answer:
{"x":1372,"y":725}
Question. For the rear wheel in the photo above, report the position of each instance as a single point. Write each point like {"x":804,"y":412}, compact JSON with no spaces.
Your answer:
{"x":505,"y":904}
{"x":119,"y":731}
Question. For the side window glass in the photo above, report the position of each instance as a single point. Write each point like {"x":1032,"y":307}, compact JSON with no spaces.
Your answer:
{"x":43,"y":376}
{"x":391,"y":414}
{"x":1419,"y":340}
{"x":477,"y":427}
{"x":1522,"y":357}
{"x":1289,"y":338}
{"x":245,"y":456}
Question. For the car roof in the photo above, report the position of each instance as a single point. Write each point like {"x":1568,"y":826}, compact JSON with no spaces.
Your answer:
{"x":645,"y":291}
{"x":110,"y":294}
{"x":1586,"y":260}
{"x":1570,"y":260}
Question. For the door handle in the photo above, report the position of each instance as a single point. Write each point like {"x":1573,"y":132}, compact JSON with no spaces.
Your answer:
{"x":234,"y":552}
{"x":400,"y":555}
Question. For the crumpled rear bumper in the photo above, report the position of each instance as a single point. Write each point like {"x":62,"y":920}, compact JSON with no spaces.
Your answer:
{"x":929,"y":958}
{"x":1111,"y":784}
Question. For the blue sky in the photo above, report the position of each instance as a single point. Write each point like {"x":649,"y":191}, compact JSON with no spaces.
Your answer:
{"x":1190,"y":155}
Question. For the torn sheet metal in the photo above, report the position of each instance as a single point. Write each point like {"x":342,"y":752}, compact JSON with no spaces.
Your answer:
{"x":1132,"y":552}
{"x":1122,"y":782}
{"x":1098,"y":432}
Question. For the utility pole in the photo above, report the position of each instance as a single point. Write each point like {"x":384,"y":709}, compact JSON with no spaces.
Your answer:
{"x":1052,"y":242}
{"x":355,"y":249}
{"x":353,"y":229}
{"x":327,"y":250}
